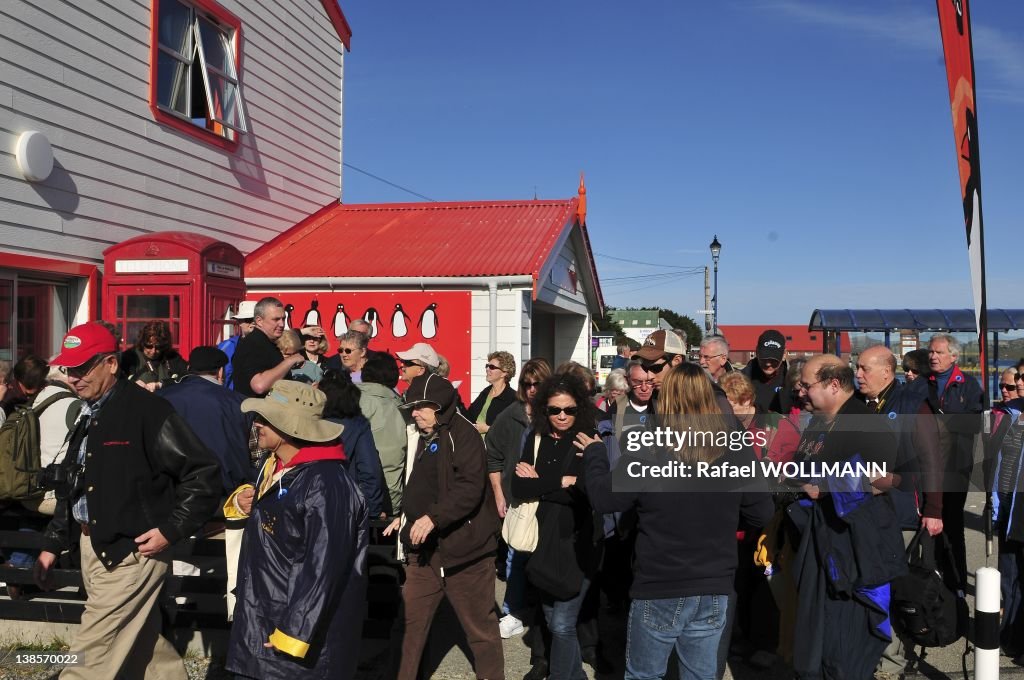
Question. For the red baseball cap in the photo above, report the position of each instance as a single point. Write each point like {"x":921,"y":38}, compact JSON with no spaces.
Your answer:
{"x":83,"y":343}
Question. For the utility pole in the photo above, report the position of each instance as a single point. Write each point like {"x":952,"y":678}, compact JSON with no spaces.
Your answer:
{"x":707,"y":299}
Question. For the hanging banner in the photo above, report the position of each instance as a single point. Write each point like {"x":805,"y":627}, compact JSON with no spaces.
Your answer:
{"x":955,"y":26}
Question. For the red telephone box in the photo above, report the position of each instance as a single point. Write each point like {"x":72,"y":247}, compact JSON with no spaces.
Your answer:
{"x":192,"y":282}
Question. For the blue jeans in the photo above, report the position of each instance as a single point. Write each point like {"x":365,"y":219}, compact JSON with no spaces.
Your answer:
{"x":693,"y":625}
{"x":561,"y":616}
{"x":515,"y":582}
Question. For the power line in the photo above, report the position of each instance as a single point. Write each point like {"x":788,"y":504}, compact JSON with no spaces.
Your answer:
{"x":645,"y":287}
{"x":650,"y":264}
{"x":651,"y":277}
{"x":389,"y":183}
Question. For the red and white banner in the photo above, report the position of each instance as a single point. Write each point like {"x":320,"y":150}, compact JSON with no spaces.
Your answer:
{"x":955,"y":26}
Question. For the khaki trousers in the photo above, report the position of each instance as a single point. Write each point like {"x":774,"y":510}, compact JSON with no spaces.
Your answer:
{"x":120,"y":631}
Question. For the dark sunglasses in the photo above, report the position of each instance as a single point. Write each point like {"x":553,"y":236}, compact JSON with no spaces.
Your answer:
{"x":346,"y":350}
{"x":408,"y":363}
{"x":654,"y":368}
{"x":770,"y":363}
{"x":492,"y":367}
{"x":79,"y":372}
{"x":553,"y":411}
{"x":148,"y":346}
{"x":529,"y":384}
{"x":1004,"y":386}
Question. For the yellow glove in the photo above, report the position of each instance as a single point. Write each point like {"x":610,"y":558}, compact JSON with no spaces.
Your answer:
{"x":761,"y":552}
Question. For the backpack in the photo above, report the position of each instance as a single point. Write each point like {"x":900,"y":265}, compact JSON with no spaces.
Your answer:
{"x":925,"y":609}
{"x":19,"y":450}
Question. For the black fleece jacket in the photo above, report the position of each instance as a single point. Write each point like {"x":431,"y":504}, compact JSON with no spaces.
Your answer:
{"x":686,"y":540}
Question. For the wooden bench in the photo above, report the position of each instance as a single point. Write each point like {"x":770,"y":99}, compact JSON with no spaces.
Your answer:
{"x":204,"y":595}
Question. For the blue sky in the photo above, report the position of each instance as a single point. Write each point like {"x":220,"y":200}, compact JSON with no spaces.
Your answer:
{"x":812,"y":136}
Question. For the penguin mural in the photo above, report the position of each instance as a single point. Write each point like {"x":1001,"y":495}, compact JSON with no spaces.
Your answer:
{"x":288,"y":309}
{"x":312,"y":317}
{"x":373,"y":318}
{"x":341,"y":320}
{"x":399,"y":322}
{"x":428,"y":321}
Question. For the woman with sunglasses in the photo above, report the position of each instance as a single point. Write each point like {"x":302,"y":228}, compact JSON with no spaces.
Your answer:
{"x":685,"y":547}
{"x":504,"y":442}
{"x":498,"y":395}
{"x":1008,"y":385}
{"x":352,"y":348}
{"x":314,"y":345}
{"x":915,"y":365}
{"x":153,"y":360}
{"x":566,"y":557}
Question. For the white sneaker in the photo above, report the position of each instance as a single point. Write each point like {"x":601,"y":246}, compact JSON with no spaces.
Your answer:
{"x":510,"y":626}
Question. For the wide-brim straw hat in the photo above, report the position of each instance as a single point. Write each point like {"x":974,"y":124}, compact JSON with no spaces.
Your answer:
{"x":296,"y":410}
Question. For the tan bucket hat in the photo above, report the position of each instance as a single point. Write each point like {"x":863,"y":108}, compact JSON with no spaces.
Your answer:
{"x":296,"y":409}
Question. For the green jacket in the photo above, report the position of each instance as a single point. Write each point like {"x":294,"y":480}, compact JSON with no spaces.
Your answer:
{"x":380,"y":406}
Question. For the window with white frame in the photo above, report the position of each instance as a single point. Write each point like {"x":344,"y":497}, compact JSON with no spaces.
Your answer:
{"x":196,"y":70}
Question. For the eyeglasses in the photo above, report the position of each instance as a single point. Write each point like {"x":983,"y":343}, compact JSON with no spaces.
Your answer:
{"x":908,"y":369}
{"x":346,"y":350}
{"x":768,"y":363}
{"x":492,"y":367}
{"x":553,"y":411}
{"x":641,"y":383}
{"x":654,"y":368}
{"x":149,"y":346}
{"x":709,"y":357}
{"x":409,"y":363}
{"x":1011,"y":388}
{"x":529,"y":384}
{"x":79,"y":372}
{"x":807,"y":386}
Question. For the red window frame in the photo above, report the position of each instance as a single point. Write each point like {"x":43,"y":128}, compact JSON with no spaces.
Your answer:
{"x":224,"y":17}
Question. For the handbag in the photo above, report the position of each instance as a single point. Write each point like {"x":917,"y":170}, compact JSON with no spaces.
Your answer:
{"x":520,"y":529}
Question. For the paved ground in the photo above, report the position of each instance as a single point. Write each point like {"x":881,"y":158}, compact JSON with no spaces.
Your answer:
{"x":449,"y":662}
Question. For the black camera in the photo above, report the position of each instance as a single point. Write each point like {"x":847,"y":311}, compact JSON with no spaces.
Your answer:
{"x":59,"y":477}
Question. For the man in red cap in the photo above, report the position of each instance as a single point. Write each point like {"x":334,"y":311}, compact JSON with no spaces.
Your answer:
{"x":139,"y":480}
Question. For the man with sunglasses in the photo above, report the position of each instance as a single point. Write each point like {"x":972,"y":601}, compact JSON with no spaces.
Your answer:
{"x":245,"y":318}
{"x":662,"y":349}
{"x":768,"y":372}
{"x":139,"y":480}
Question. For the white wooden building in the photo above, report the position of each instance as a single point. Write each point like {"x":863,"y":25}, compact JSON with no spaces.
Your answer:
{"x":219,"y":117}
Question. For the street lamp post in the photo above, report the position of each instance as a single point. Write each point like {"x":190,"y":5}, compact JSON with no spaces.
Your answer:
{"x":716,"y":249}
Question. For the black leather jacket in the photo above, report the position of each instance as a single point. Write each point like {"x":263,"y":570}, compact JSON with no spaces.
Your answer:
{"x":144,"y":469}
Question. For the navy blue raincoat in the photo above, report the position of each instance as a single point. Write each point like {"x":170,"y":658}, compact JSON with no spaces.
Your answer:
{"x":301,"y":576}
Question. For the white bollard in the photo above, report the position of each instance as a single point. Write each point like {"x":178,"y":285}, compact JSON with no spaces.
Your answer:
{"x":986,"y":624}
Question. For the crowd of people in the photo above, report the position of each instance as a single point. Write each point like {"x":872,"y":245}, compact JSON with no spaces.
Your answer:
{"x":288,"y":452}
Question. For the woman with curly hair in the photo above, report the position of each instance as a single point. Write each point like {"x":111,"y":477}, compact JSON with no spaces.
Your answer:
{"x":567,"y":556}
{"x":498,"y":395}
{"x":153,"y":360}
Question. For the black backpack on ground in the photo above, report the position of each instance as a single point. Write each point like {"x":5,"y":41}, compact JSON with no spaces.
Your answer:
{"x":925,"y":609}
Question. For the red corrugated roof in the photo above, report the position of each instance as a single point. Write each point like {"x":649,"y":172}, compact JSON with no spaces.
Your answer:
{"x":798,"y":338}
{"x":486,"y":238}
